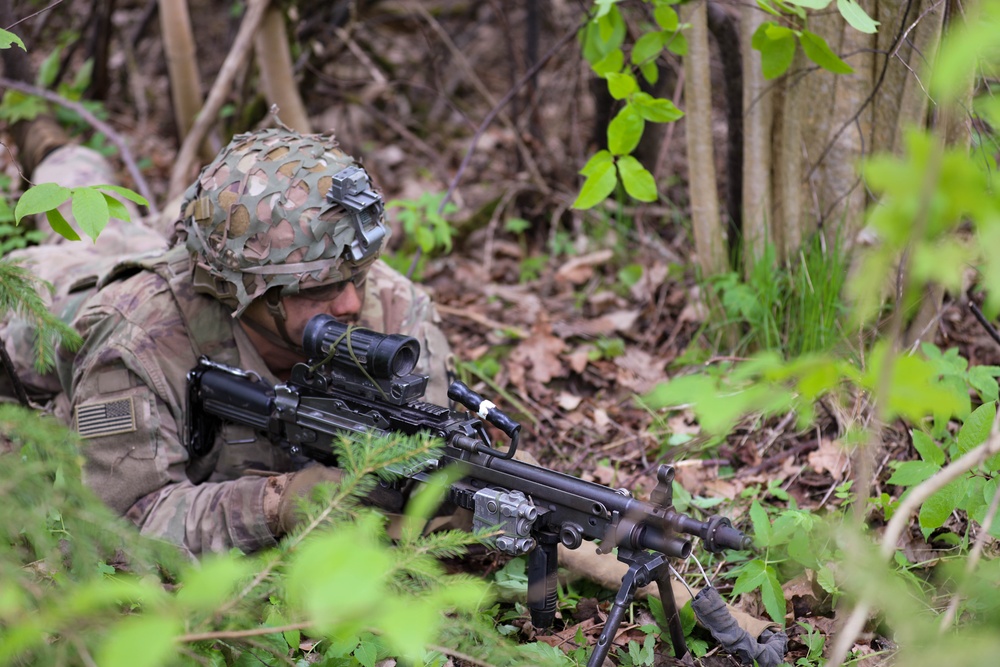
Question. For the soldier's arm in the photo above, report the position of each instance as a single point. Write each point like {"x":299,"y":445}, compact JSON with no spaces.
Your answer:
{"x":394,"y":304}
{"x":130,"y":420}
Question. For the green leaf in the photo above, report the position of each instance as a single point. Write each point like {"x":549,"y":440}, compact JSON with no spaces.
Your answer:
{"x":638,"y":182}
{"x":818,"y":51}
{"x":977,"y":426}
{"x":621,"y":85}
{"x":648,"y":47}
{"x":116,"y":209}
{"x":810,"y":4}
{"x":40,"y":198}
{"x":678,"y":45}
{"x":773,"y":597}
{"x":49,"y":69}
{"x":148,"y":640}
{"x":655,"y":109}
{"x":8,"y":38}
{"x":936,"y":509}
{"x":761,"y":525}
{"x":666,"y":18}
{"x":777,"y":48}
{"x":911,"y":473}
{"x":853,"y":14}
{"x":136,"y":198}
{"x":60,"y":226}
{"x":90,"y":210}
{"x":598,"y":163}
{"x":625,"y":131}
{"x":650,"y":72}
{"x":366,"y":653}
{"x":984,"y":379}
{"x":206,"y":586}
{"x":753,"y":576}
{"x":601,"y":181}
{"x":928,"y":449}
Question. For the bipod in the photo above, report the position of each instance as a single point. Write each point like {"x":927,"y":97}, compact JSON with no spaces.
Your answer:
{"x":644,"y":567}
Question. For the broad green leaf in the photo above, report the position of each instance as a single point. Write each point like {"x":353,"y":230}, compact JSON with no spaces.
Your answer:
{"x":338,"y":577}
{"x":818,"y":51}
{"x":609,"y":64}
{"x":962,"y":51}
{"x":911,"y":473}
{"x":625,"y":131}
{"x":650,"y":72}
{"x":648,"y":47}
{"x":209,"y":584}
{"x":90,"y":211}
{"x":611,"y":27}
{"x":928,"y":449}
{"x":408,"y":626}
{"x":666,"y":18}
{"x":601,"y":182}
{"x":773,"y":597}
{"x":810,"y":4}
{"x":598,"y":163}
{"x":678,"y":44}
{"x":40,"y":198}
{"x":984,"y":379}
{"x":366,"y":653}
{"x":49,"y":69}
{"x":655,"y":109}
{"x":603,"y":7}
{"x":826,"y":580}
{"x":761,"y":525}
{"x":136,"y":198}
{"x":777,"y":48}
{"x":936,"y":509}
{"x":621,"y":85}
{"x":146,"y":640}
{"x":60,"y":226}
{"x":856,"y":16}
{"x":116,"y":209}
{"x":8,"y":38}
{"x":753,"y":576}
{"x":977,"y":426}
{"x":638,"y":182}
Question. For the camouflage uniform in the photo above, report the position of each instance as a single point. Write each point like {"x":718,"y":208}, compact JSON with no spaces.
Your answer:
{"x":144,"y":326}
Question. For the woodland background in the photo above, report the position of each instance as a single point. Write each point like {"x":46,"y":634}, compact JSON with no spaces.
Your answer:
{"x":756,"y":320}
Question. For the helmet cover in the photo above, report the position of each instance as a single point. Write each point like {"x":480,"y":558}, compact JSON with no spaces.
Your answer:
{"x":278,"y":209}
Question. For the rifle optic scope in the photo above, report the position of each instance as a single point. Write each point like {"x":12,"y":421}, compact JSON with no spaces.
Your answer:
{"x":384,"y":356}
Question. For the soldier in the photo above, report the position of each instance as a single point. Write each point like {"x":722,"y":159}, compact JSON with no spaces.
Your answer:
{"x":259,"y":250}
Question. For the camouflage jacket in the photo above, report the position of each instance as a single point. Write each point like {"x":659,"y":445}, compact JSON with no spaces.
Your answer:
{"x":124,"y":392}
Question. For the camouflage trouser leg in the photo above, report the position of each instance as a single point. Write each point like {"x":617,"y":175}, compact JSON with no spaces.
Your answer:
{"x":73,"y":166}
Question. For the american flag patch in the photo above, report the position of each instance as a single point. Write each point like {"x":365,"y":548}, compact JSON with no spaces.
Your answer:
{"x":106,"y":418}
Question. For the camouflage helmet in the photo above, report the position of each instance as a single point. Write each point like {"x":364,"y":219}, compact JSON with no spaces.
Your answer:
{"x":280,"y":210}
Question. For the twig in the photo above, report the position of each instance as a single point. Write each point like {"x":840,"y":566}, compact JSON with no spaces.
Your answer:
{"x":97,"y":124}
{"x":488,"y":120}
{"x":239,"y":52}
{"x":31,"y":16}
{"x":481,"y":319}
{"x":241,"y":634}
{"x":359,"y":53}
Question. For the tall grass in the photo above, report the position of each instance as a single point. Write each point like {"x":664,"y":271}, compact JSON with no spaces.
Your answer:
{"x":794,"y":309}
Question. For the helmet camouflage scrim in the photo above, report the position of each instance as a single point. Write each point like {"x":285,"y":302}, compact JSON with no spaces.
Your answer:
{"x":278,"y":209}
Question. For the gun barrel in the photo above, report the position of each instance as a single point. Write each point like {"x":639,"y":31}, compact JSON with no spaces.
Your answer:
{"x":717,"y":534}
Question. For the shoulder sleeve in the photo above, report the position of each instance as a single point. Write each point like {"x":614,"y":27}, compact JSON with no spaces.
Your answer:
{"x":128,"y":401}
{"x":394,"y":304}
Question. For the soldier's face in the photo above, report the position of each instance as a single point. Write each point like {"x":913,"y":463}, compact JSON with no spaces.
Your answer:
{"x":342,"y":302}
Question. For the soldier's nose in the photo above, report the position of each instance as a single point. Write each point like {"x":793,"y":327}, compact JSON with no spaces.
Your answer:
{"x":347,"y":302}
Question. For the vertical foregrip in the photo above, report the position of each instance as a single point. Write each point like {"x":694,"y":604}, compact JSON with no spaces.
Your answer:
{"x":543,"y":566}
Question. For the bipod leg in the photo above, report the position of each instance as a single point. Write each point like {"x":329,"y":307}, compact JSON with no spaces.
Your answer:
{"x":673,"y":616}
{"x":643,"y":568}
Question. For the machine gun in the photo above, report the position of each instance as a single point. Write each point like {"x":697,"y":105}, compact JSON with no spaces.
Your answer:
{"x":357,"y":381}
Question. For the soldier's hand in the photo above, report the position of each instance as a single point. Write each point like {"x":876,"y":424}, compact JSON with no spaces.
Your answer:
{"x":283,"y":493}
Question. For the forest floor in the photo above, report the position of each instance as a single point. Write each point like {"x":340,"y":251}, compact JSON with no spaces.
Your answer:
{"x":560,"y":317}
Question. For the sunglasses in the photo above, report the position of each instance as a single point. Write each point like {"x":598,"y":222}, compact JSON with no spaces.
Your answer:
{"x":333,"y":290}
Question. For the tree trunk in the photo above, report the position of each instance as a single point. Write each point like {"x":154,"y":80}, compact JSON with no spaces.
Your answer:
{"x":706,"y":222}
{"x":274,"y":58}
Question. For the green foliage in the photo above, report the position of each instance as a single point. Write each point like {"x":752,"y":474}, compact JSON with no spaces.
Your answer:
{"x":19,"y":293}
{"x":792,"y":310}
{"x":9,"y":39}
{"x":424,"y":227}
{"x":336,"y":580}
{"x":92,"y":207}
{"x":602,"y":40}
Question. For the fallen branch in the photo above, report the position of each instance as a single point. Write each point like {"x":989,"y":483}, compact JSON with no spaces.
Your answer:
{"x":238,"y":53}
{"x":97,"y":124}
